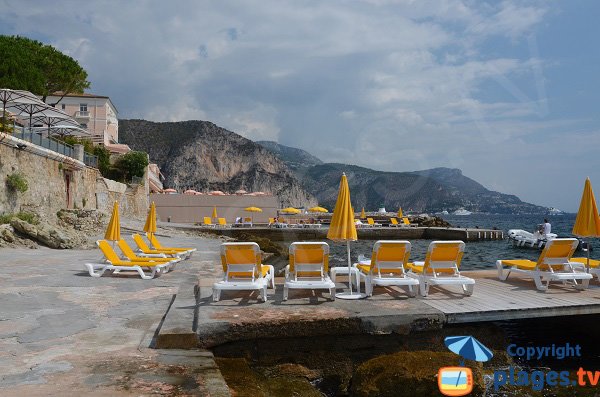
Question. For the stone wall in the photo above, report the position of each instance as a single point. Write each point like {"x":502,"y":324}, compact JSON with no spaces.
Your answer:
{"x":48,"y":173}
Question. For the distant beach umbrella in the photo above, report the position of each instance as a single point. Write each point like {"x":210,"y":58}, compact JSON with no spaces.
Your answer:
{"x":216,"y":193}
{"x":214,"y":213}
{"x":342,"y":228}
{"x":363,"y":215}
{"x":150,"y":225}
{"x":468,"y":348}
{"x":241,"y":191}
{"x":318,"y":209}
{"x":290,"y":210}
{"x":169,"y":191}
{"x":587,"y":223}
{"x":400,"y":214}
{"x":252,"y":209}
{"x":113,"y":231}
{"x":190,"y":191}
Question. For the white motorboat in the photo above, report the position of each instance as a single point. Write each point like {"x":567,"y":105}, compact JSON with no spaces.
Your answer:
{"x":461,"y":211}
{"x":554,"y":211}
{"x":523,"y":238}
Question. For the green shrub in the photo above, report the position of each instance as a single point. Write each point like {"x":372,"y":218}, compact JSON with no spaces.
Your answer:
{"x":28,"y":217}
{"x":5,"y":218}
{"x":132,"y":164}
{"x":17,"y":182}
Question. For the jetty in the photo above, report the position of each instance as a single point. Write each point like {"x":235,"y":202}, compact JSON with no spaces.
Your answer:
{"x":194,"y":320}
{"x":374,"y":233}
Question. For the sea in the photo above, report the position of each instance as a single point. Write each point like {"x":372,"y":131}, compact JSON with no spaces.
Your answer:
{"x":478,"y":254}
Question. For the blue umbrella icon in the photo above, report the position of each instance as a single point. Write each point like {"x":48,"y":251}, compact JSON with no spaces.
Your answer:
{"x":468,"y":348}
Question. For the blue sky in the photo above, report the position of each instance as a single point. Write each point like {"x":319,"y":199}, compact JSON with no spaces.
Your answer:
{"x":508,"y":91}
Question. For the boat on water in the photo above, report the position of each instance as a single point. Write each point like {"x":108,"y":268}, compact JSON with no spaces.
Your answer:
{"x":461,"y":211}
{"x":554,"y":211}
{"x":523,"y":238}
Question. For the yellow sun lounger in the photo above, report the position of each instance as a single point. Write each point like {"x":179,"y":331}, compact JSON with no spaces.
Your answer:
{"x":222,"y":222}
{"x":116,"y":265}
{"x":372,"y":223}
{"x":308,"y":268}
{"x":406,"y":222}
{"x":243,"y":270}
{"x":157,"y":245}
{"x":552,"y":265}
{"x":582,"y":262}
{"x":206,"y":221}
{"x":394,"y":222}
{"x":441,"y":267}
{"x":141,"y":257}
{"x":388,"y":260}
{"x":145,"y":249}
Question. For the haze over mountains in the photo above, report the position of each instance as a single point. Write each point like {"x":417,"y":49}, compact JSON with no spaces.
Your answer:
{"x":202,"y":156}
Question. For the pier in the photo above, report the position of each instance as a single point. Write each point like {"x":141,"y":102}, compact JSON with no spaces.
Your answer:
{"x":374,"y":233}
{"x":194,"y":320}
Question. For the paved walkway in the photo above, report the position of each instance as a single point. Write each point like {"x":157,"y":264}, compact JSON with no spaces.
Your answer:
{"x":63,"y":332}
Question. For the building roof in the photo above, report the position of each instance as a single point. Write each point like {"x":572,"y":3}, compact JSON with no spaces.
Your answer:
{"x":85,"y":95}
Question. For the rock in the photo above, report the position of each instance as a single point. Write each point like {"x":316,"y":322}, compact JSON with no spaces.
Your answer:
{"x":43,"y":233}
{"x":7,"y":233}
{"x":430,"y":221}
{"x":415,"y":371}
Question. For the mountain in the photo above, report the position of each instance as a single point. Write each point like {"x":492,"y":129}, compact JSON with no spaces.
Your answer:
{"x":422,"y":191}
{"x":432,"y":190}
{"x":296,"y":159}
{"x":202,"y":156}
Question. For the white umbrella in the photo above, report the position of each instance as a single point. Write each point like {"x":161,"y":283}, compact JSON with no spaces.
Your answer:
{"x":19,"y":102}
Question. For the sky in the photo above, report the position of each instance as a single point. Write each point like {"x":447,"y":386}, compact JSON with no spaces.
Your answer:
{"x":507,"y":91}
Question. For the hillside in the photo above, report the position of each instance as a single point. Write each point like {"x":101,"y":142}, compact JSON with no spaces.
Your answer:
{"x":422,"y":191}
{"x":432,"y":190}
{"x":296,"y":159}
{"x":202,"y":156}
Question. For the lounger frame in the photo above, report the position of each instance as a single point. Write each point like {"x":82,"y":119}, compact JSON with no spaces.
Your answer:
{"x":296,"y":278}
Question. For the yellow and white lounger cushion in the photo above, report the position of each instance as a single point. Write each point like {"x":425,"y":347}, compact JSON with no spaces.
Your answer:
{"x":143,"y":248}
{"x":308,"y":268}
{"x":371,"y":223}
{"x":141,"y":257}
{"x":583,"y":262}
{"x":243,"y":270}
{"x":115,"y":264}
{"x":206,"y":221}
{"x":441,"y":267}
{"x":388,"y":260}
{"x":552,"y":265}
{"x":157,"y":245}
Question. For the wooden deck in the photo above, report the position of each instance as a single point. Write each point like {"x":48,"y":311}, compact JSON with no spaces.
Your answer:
{"x":515,"y":298}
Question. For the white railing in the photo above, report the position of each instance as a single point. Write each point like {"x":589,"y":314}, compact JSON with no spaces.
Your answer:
{"x":82,"y":114}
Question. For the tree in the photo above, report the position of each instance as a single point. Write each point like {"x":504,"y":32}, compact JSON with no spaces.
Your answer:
{"x":42,"y":69}
{"x":132,"y":164}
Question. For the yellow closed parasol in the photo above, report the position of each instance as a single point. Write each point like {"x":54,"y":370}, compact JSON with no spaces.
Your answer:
{"x":113,"y":232}
{"x":150,"y":225}
{"x":363,"y":215}
{"x":400,"y":214}
{"x":342,"y":228}
{"x":214,"y":213}
{"x":587,"y":223}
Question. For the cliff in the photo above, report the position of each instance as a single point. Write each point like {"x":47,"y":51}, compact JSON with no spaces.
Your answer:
{"x":202,"y":156}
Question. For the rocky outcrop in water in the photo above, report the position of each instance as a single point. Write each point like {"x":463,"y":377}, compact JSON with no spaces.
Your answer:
{"x":202,"y":156}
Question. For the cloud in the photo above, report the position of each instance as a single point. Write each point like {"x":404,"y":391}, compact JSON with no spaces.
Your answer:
{"x":389,"y":84}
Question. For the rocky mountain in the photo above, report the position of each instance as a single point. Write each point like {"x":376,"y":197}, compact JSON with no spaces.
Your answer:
{"x":433,"y":190}
{"x":202,"y":156}
{"x":296,"y":159}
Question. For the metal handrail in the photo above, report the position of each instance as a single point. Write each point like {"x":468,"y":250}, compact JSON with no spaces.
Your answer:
{"x":56,"y":146}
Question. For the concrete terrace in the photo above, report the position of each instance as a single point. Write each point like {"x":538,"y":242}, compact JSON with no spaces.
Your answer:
{"x":63,"y":332}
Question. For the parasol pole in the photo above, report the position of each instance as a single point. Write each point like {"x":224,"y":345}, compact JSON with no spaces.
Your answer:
{"x":349,"y":265}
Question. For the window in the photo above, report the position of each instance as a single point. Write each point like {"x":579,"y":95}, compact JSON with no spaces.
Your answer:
{"x":63,"y":106}
{"x":83,"y":125}
{"x":83,"y":107}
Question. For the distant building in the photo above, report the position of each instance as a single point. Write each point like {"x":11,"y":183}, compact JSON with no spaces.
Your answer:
{"x":95,"y":113}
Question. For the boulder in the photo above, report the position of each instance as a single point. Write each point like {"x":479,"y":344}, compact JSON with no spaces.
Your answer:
{"x":403,"y":371}
{"x":44,"y":234}
{"x":7,"y":233}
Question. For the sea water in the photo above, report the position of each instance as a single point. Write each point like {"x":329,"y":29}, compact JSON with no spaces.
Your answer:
{"x":478,"y":254}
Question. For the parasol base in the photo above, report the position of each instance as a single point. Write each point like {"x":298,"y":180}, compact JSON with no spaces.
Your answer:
{"x":350,"y":295}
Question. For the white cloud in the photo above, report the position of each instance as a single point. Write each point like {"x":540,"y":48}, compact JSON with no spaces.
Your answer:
{"x":389,"y":84}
